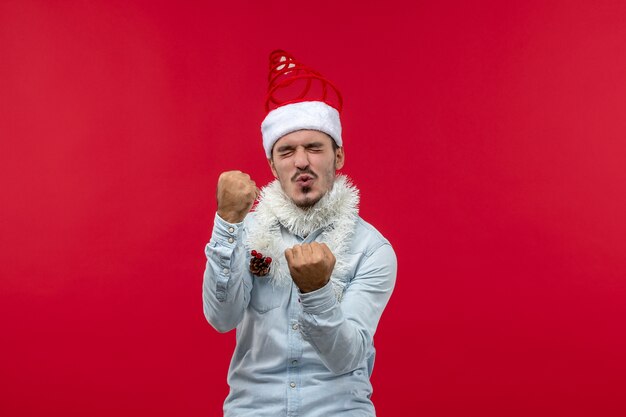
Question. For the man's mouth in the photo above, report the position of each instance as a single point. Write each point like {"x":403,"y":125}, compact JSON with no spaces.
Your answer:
{"x":305,"y":180}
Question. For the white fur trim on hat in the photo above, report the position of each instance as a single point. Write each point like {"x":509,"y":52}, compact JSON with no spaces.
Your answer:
{"x":310,"y":115}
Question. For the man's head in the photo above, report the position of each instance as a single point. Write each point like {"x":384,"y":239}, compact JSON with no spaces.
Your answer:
{"x":305,"y":162}
{"x":302,"y":129}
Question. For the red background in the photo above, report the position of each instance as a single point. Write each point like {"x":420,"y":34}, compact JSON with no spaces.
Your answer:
{"x":487,"y":139}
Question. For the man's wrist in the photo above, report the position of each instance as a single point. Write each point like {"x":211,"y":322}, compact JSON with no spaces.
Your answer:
{"x":231,"y":217}
{"x":310,"y":287}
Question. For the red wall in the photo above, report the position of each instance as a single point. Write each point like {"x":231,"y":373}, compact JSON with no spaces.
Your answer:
{"x":488,"y":139}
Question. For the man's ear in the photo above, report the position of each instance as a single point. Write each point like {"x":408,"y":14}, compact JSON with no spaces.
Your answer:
{"x":271,"y":163}
{"x":340,"y":158}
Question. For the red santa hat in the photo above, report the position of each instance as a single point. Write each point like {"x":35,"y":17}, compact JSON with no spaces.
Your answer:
{"x":299,"y":98}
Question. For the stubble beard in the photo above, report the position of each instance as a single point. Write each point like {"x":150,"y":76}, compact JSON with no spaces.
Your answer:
{"x":308,"y":202}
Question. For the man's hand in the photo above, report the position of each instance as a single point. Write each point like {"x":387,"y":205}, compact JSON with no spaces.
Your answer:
{"x":311,"y":265}
{"x":236,"y":193}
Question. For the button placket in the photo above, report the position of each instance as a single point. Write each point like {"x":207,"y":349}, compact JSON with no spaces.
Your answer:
{"x":294,"y":355}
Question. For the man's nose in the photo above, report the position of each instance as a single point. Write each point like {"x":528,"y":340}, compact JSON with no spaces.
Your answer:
{"x":301,"y":159}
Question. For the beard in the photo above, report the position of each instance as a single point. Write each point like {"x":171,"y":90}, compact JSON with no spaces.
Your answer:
{"x":310,"y":201}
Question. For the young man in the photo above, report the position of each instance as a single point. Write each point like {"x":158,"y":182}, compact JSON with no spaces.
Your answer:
{"x":302,"y":278}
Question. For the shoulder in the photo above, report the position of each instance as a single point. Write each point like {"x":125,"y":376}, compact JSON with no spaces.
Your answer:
{"x":367,"y":239}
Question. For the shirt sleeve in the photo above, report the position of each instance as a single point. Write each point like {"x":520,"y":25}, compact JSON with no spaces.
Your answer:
{"x":342,"y":332}
{"x":226,"y":285}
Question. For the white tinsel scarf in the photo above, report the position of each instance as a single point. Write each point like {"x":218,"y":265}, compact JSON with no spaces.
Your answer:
{"x":336,"y":213}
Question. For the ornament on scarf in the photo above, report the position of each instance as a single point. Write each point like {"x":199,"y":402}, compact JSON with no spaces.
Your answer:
{"x":259,"y":264}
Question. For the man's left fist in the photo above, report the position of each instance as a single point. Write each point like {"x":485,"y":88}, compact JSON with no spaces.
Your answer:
{"x":310,"y":265}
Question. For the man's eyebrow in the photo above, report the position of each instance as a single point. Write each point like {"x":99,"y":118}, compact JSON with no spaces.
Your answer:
{"x":314,"y":145}
{"x":284,"y":148}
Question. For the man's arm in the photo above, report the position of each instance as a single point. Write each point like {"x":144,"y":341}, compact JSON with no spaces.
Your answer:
{"x":342,"y":332}
{"x":226,"y":287}
{"x":227,"y":284}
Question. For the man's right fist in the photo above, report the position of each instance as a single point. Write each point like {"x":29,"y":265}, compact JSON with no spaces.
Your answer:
{"x":236,"y":193}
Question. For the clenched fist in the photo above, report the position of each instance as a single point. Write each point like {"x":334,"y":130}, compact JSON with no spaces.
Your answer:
{"x":310,"y":265}
{"x":236,"y":193}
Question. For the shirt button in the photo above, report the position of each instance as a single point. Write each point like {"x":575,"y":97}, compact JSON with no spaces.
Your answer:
{"x":225,"y":270}
{"x":294,"y":362}
{"x":294,"y":326}
{"x":292,"y":385}
{"x":231,"y":229}
{"x":231,"y":240}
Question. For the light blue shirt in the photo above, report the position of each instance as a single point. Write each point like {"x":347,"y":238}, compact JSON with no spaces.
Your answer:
{"x":298,"y":354}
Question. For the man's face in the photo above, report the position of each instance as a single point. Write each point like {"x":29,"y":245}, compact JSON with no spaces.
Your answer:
{"x":304,"y":163}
